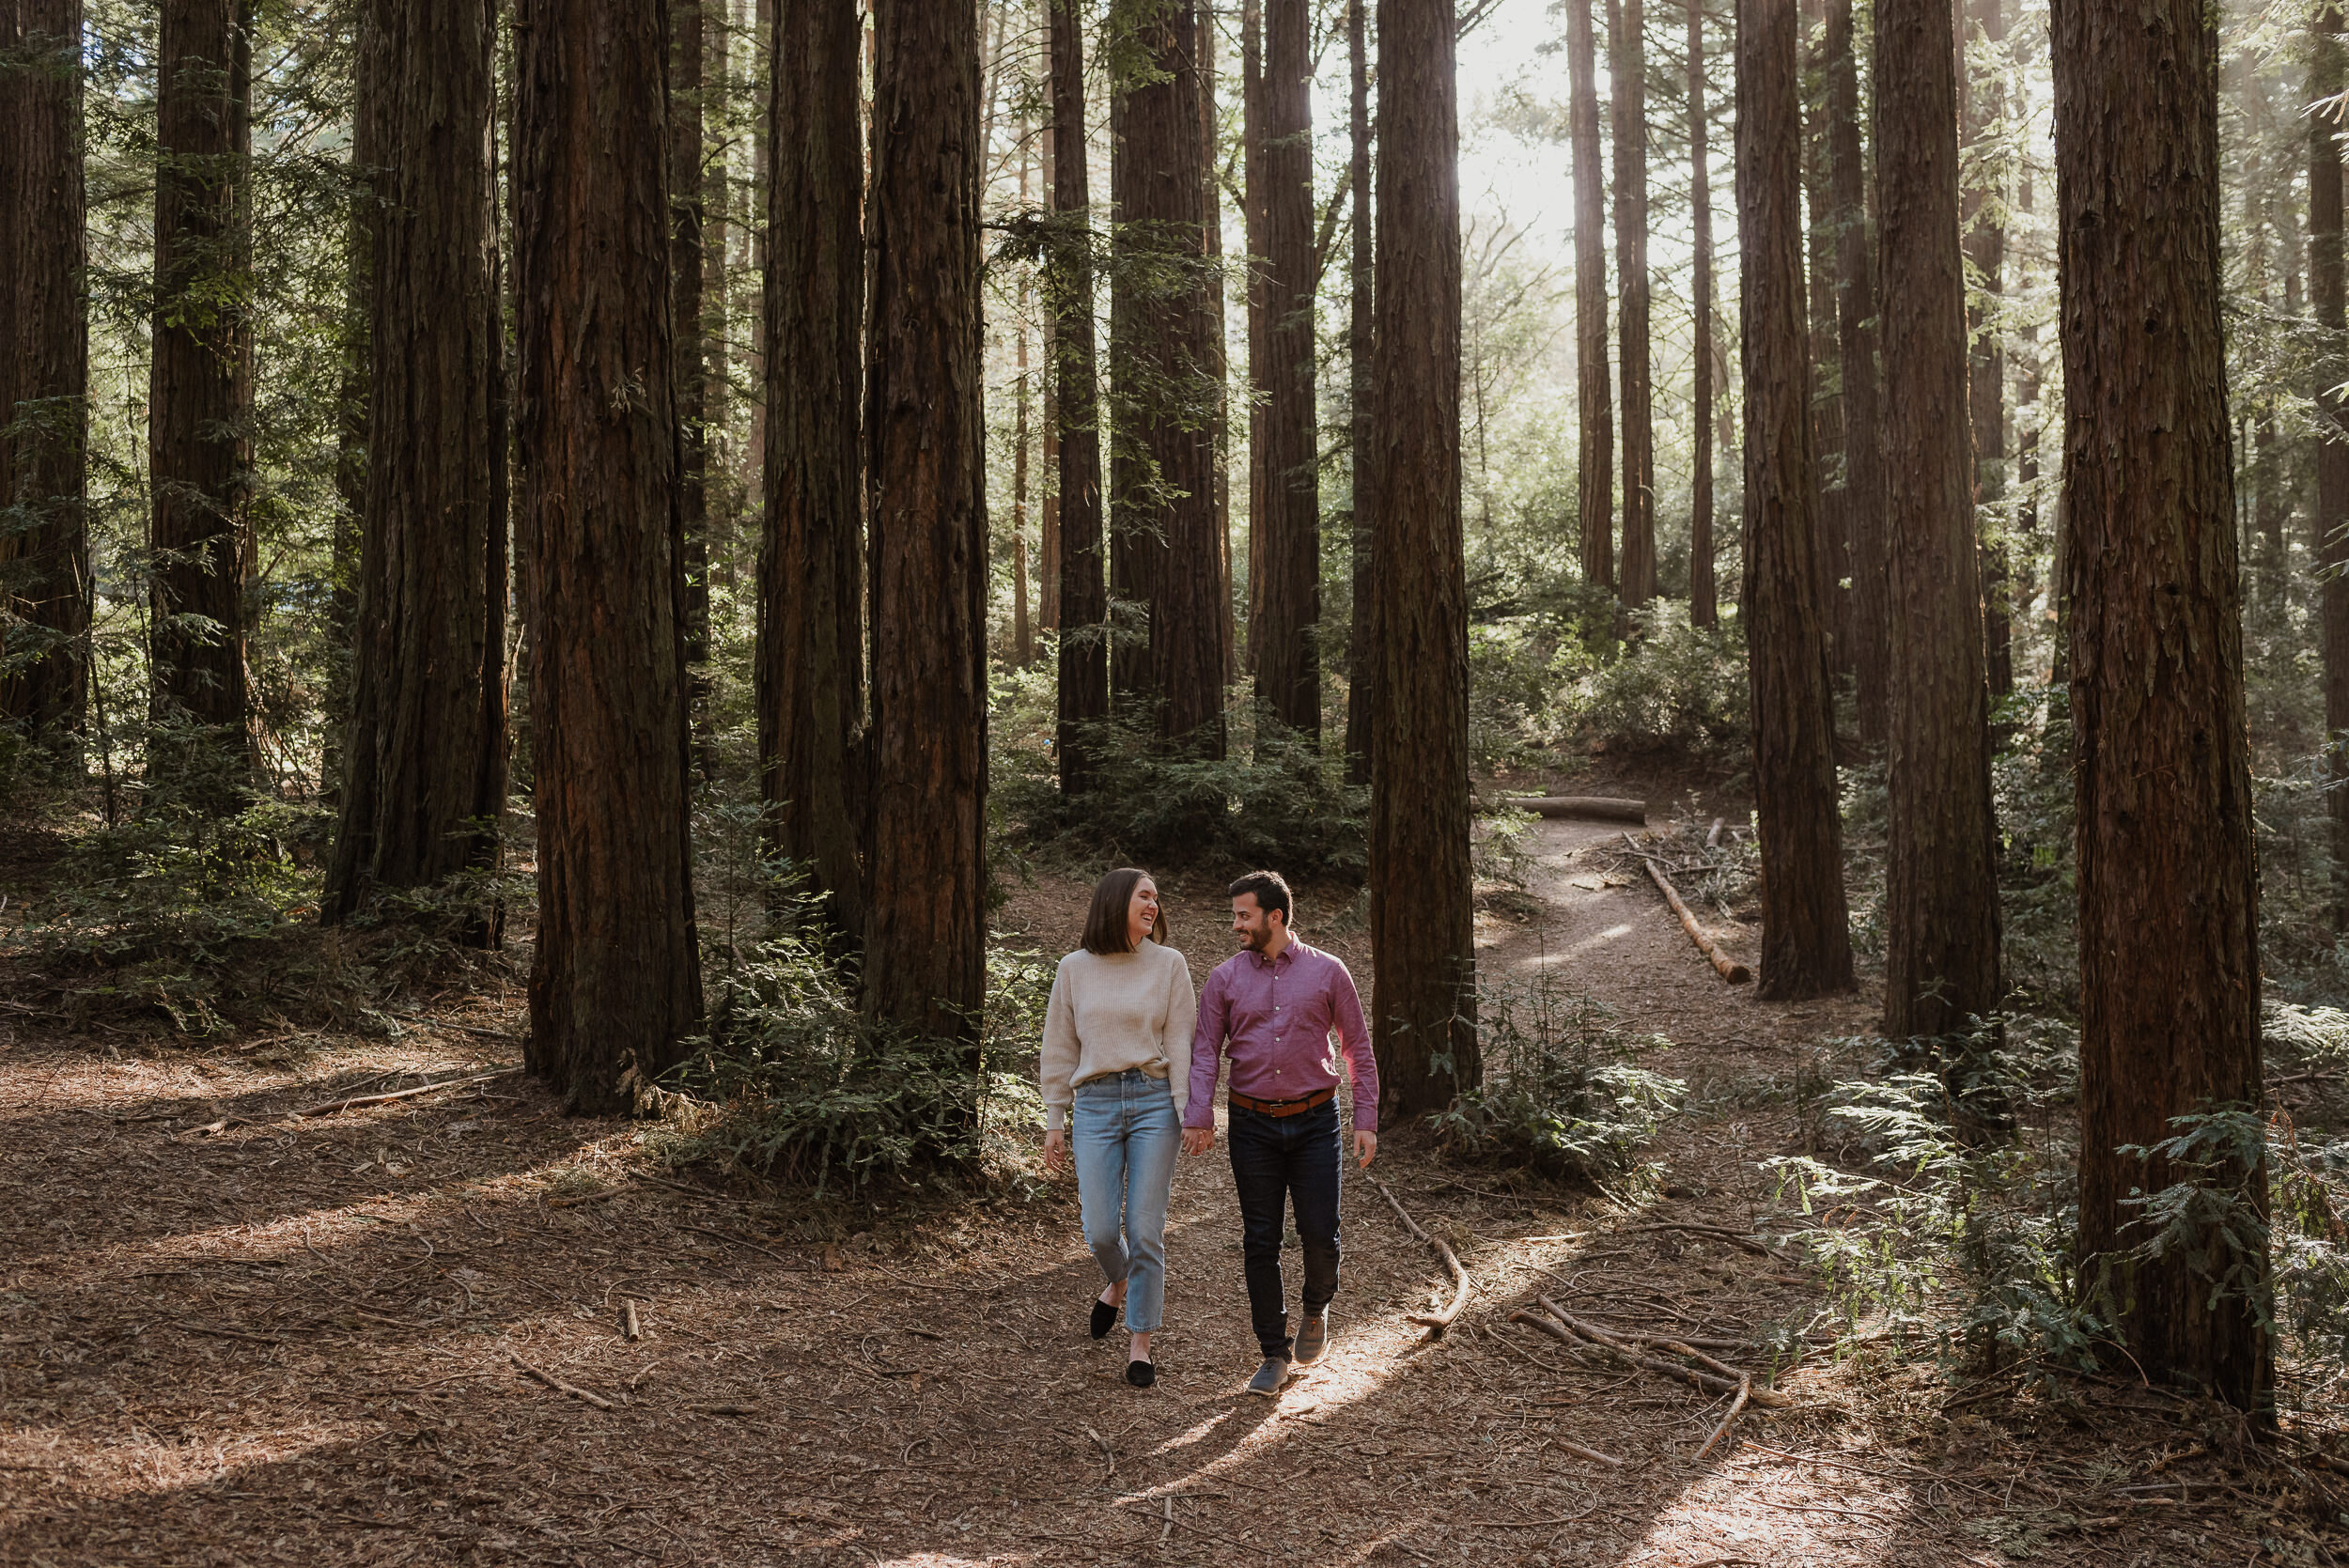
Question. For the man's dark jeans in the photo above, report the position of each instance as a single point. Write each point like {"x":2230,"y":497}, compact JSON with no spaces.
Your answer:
{"x":1274,"y":1159}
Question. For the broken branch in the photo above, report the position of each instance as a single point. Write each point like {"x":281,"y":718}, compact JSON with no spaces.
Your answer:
{"x":1459,"y":1276}
{"x":557,"y":1384}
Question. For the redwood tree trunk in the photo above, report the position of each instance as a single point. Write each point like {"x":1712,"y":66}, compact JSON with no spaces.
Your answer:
{"x":200,"y":391}
{"x":44,"y":367}
{"x":1703,"y":592}
{"x":2330,"y":526}
{"x":1983,"y":225}
{"x":424,"y":760}
{"x":1805,"y":936}
{"x":926,"y":926}
{"x":808,"y":678}
{"x":1865,"y":618}
{"x":616,"y":982}
{"x":1288,"y":667}
{"x":1084,"y":670}
{"x":1252,"y":188}
{"x":1628,"y":67}
{"x":1422,"y":924}
{"x":1361,"y":654}
{"x":1827,"y":400}
{"x":2169,"y":973}
{"x":1595,"y":482}
{"x":1942,"y":897}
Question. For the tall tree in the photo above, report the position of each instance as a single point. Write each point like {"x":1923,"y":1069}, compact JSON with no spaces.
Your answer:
{"x":44,"y":369}
{"x":688,"y":240}
{"x":1826,"y":399}
{"x":1942,"y":897}
{"x":616,"y":982}
{"x":1702,"y":593}
{"x":200,"y":377}
{"x":1288,"y":666}
{"x":1627,"y":67}
{"x":927,"y":924}
{"x":1865,"y":619}
{"x":1163,"y":508}
{"x":424,"y":758}
{"x":1982,"y":223}
{"x":2169,"y":891}
{"x":1361,"y":688}
{"x":1423,"y":928}
{"x":1254,"y":184}
{"x":1084,"y":674}
{"x":808,"y":682}
{"x":2329,"y":524}
{"x":1212,"y":223}
{"x":1595,"y":484}
{"x":1806,"y":936}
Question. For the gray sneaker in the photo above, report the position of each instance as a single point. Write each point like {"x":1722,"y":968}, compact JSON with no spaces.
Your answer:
{"x":1313,"y":1338}
{"x":1269,"y":1376}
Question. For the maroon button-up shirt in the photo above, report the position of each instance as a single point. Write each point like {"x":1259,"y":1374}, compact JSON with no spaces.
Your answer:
{"x":1276,"y":1015}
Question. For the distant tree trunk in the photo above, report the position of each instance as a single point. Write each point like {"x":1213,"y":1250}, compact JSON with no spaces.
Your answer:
{"x":1863,"y":451}
{"x":616,"y":982}
{"x":2169,"y":891}
{"x":44,"y":369}
{"x":1022,"y":632}
{"x":424,"y":758}
{"x":1596,"y":500}
{"x":1288,"y":665}
{"x":724,"y":487}
{"x":1983,"y":225}
{"x":361,"y":229}
{"x":200,"y":385}
{"x":1137,"y":538}
{"x":1047,"y":568}
{"x":1826,"y":398}
{"x":1253,"y":185}
{"x":1085,"y":672}
{"x":1806,"y":936}
{"x":1629,"y":68}
{"x":1703,"y":592}
{"x":808,"y":680}
{"x":2330,"y":526}
{"x":1423,"y":928}
{"x":925,"y":947}
{"x":1361,"y":654}
{"x":1941,"y":899}
{"x":1219,"y":369}
{"x":687,"y":241}
{"x":762,"y":203}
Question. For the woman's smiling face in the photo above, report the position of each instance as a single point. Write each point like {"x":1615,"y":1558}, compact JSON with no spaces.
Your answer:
{"x":1142,"y":912}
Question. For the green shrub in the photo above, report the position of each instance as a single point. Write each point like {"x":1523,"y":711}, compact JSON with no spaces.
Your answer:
{"x":1675,"y":685}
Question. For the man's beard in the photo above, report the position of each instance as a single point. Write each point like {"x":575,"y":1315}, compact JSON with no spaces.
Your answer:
{"x":1256,"y":940}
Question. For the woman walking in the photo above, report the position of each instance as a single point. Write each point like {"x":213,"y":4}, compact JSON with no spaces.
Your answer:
{"x":1116,"y":1064}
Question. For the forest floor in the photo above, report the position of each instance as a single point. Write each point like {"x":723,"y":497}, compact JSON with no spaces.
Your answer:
{"x":230,"y":1335}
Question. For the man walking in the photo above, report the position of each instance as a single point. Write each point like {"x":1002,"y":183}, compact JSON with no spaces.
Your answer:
{"x":1273,"y":1005}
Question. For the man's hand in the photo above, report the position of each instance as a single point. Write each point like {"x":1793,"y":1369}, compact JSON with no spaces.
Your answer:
{"x":1056,"y":1150}
{"x":1365,"y":1149}
{"x":1198,"y":1141}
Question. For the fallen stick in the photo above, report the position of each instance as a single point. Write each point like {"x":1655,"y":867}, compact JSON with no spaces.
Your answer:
{"x":1709,"y":1382}
{"x":1459,"y":1276}
{"x":557,"y":1384}
{"x":1581,"y":1453}
{"x":630,"y":1328}
{"x":1730,"y":970}
{"x":1745,"y":1390}
{"x":1602,"y":807}
{"x":1720,"y":1231}
{"x":328,"y":1107}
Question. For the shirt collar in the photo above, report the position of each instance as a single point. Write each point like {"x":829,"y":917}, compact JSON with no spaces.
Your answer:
{"x":1288,"y":955}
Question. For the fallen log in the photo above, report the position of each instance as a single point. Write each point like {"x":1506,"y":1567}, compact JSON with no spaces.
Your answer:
{"x":1605,"y":808}
{"x":1442,"y":1320}
{"x":1728,"y":968}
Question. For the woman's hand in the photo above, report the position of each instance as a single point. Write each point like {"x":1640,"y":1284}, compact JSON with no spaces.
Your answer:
{"x":1056,"y":1150}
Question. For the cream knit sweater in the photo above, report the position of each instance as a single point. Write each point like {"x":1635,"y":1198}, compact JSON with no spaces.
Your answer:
{"x":1111,"y":1011}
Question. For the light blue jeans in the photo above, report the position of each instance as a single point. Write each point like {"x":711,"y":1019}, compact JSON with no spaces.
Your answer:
{"x":1124,"y":1135}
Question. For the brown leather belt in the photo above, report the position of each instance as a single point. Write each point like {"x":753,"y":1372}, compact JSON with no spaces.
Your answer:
{"x":1281,"y":1107}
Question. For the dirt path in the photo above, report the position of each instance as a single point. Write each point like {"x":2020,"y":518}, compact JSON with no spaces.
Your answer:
{"x":227,"y":1337}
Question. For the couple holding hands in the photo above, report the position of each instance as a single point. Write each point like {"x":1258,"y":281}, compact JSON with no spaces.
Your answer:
{"x":1128,"y":1067}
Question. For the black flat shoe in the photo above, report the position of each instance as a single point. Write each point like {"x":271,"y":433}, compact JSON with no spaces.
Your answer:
{"x":1142,"y":1373}
{"x":1104,"y":1319}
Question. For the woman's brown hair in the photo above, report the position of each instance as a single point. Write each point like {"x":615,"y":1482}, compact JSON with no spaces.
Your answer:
{"x":1105,"y":923}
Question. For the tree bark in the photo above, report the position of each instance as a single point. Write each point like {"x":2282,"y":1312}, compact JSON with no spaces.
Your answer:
{"x":1253,"y":181}
{"x":1827,"y":398}
{"x":688,"y":215}
{"x":1595,"y":470}
{"x":1084,"y":674}
{"x":1942,"y":897}
{"x":2169,"y":973}
{"x":1288,"y":665}
{"x":808,"y":680}
{"x":616,"y":982}
{"x":1423,"y":928}
{"x":926,"y":928}
{"x":2329,"y":525}
{"x":718,"y":197}
{"x":1983,"y":225}
{"x":1866,"y":616}
{"x":762,"y":203}
{"x":1361,"y":654}
{"x":45,"y":370}
{"x":1629,"y":68}
{"x":1805,"y":936}
{"x":424,"y":761}
{"x":1704,"y":593}
{"x":200,"y":387}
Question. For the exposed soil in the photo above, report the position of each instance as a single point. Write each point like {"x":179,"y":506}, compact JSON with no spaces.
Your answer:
{"x":231,"y":1336}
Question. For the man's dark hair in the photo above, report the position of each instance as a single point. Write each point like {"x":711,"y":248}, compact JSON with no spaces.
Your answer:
{"x":1272,"y":893}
